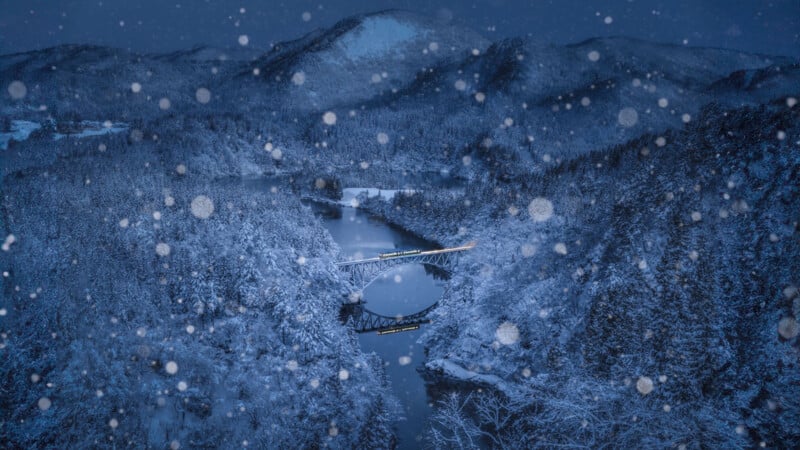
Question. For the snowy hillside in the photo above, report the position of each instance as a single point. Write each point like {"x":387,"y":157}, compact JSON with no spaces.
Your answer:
{"x":363,"y":58}
{"x":643,"y":296}
{"x":635,"y":205}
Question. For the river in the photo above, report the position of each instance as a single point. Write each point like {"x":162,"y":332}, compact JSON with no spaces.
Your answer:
{"x":404,"y":290}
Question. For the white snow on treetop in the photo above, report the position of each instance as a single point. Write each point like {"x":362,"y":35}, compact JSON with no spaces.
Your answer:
{"x":376,"y":36}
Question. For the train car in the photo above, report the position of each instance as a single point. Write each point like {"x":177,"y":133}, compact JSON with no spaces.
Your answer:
{"x":396,"y":254}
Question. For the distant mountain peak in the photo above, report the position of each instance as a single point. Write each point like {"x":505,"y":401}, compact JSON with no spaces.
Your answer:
{"x":365,"y":56}
{"x":379,"y":35}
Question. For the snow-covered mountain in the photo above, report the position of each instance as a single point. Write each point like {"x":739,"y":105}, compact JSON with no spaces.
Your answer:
{"x":670,"y":248}
{"x":362,"y":59}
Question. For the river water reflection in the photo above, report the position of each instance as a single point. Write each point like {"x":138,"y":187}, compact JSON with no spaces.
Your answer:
{"x":404,"y":290}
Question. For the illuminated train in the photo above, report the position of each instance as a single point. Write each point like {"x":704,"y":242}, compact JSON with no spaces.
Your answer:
{"x":396,"y":254}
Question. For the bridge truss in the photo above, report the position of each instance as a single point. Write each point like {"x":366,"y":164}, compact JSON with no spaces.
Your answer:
{"x":364,"y":321}
{"x":363,"y":272}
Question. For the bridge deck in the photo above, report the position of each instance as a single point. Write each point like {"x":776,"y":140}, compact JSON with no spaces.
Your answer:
{"x":415,"y":255}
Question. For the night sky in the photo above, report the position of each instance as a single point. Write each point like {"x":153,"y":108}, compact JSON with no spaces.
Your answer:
{"x":771,"y":27}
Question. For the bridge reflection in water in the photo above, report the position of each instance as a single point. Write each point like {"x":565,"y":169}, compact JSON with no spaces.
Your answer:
{"x":363,"y":320}
{"x":362,"y":273}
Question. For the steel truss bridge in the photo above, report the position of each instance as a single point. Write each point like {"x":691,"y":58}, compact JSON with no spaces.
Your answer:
{"x":364,"y":271}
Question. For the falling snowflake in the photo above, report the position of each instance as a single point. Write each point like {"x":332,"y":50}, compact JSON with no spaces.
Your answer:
{"x":329,"y":118}
{"x":44,"y":403}
{"x":628,"y":117}
{"x":17,"y":90}
{"x":162,"y":249}
{"x":180,"y":169}
{"x":113,"y":423}
{"x":480,"y":97}
{"x":136,"y":87}
{"x":306,"y":16}
{"x":344,"y":374}
{"x":404,"y":360}
{"x":540,"y":209}
{"x":644,"y":385}
{"x":203,"y":95}
{"x":164,"y":104}
{"x":182,"y":386}
{"x":788,"y":327}
{"x":292,"y":365}
{"x":171,"y":367}
{"x":560,"y":248}
{"x":383,"y":138}
{"x":507,"y":333}
{"x":663,"y":102}
{"x":244,"y":40}
{"x":299,"y":78}
{"x":460,"y":85}
{"x":202,"y":207}
{"x":593,"y":56}
{"x":10,"y":239}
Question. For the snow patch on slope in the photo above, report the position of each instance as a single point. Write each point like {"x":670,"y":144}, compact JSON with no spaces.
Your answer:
{"x":20,"y":130}
{"x":455,"y":371}
{"x":376,"y":36}
{"x":92,"y":128}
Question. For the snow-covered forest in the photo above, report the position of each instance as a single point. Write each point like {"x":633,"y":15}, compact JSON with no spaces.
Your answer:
{"x":635,"y":207}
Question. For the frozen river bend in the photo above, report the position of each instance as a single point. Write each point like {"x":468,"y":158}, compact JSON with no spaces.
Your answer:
{"x":635,"y":204}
